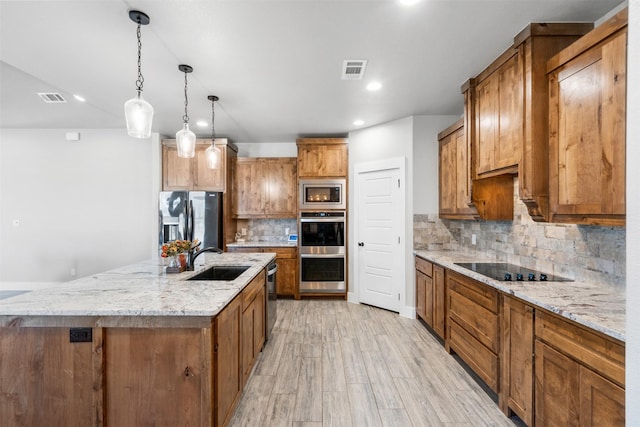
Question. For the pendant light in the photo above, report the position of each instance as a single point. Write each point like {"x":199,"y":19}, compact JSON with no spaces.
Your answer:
{"x":137,"y":111}
{"x":213,"y":153}
{"x":185,"y":139}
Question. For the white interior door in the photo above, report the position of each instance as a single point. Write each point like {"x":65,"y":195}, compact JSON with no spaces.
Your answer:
{"x":380,"y":225}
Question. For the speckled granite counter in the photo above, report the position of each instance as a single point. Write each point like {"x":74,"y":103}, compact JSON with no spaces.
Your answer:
{"x":135,"y":295}
{"x":262,"y":244}
{"x":597,"y":306}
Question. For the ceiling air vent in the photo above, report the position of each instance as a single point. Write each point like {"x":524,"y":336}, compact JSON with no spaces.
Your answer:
{"x":52,"y":98}
{"x":353,"y":69}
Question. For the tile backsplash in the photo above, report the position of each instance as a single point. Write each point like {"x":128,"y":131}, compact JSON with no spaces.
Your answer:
{"x":586,"y":253}
{"x":267,"y":230}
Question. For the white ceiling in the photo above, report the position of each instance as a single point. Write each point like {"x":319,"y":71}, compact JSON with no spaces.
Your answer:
{"x":274,"y":64}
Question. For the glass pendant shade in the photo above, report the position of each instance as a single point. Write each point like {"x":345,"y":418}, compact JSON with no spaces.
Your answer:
{"x":139,"y":115}
{"x":213,"y":157}
{"x":186,"y":142}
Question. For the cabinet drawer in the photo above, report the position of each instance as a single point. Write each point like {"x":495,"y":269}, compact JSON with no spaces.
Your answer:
{"x":477,"y":356}
{"x":282,"y":252}
{"x":603,"y":355}
{"x":476,"y":292}
{"x":249,"y":293}
{"x":424,"y":266}
{"x":479,"y":322}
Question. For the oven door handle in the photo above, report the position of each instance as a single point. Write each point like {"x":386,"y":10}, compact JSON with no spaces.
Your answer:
{"x":321,"y":255}
{"x":334,"y":219}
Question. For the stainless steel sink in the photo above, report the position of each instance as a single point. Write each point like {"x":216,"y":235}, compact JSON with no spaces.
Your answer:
{"x":221,"y":272}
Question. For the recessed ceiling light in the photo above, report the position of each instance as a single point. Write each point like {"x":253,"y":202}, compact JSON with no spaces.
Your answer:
{"x":358,"y":122}
{"x":408,"y":2}
{"x":373,"y":86}
{"x":79,"y":98}
{"x":202,"y":124}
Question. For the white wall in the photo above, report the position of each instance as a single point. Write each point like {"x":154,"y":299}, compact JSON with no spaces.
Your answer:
{"x":633,"y":217}
{"x":87,"y":205}
{"x":272,"y":149}
{"x":415,"y":139}
{"x":425,"y":160}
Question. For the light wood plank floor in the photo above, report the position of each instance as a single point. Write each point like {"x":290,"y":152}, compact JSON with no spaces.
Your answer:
{"x":332,"y":363}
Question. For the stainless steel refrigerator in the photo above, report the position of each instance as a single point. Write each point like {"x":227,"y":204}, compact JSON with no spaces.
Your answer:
{"x":189,"y":215}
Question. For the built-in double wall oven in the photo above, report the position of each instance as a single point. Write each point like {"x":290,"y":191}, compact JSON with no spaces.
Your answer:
{"x":322,"y":249}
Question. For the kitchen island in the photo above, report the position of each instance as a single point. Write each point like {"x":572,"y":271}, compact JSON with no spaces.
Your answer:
{"x":133,"y":346}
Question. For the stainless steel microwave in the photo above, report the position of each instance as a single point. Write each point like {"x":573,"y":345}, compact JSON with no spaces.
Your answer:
{"x":322,"y":194}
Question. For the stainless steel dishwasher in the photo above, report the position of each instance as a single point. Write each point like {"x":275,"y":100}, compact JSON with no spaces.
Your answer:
{"x":272,"y":298}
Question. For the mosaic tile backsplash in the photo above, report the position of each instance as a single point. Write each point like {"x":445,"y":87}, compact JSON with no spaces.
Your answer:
{"x":589,"y":253}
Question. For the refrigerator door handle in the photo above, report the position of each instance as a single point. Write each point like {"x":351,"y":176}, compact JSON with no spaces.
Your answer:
{"x":191,"y":222}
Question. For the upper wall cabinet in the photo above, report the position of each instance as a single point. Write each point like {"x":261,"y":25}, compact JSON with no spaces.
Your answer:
{"x":265,"y":188}
{"x":507,"y":108}
{"x":587,"y":97}
{"x":193,"y":174}
{"x":322,"y":157}
{"x":455,"y":182}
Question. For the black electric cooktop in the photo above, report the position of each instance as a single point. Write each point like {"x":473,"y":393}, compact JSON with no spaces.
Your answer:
{"x":509,"y":272}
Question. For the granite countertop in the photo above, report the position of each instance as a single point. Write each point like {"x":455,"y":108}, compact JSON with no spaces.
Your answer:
{"x":135,"y":292}
{"x":263,"y":244}
{"x":598,"y":306}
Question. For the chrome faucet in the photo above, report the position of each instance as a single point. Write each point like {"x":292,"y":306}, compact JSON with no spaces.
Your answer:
{"x":192,"y":255}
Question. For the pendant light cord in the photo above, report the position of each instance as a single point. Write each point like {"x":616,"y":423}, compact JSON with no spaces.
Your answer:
{"x":185,"y":118}
{"x":213,"y":120}
{"x":140,"y":80}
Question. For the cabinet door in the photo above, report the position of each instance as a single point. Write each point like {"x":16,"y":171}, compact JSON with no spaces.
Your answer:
{"x":516,"y":393}
{"x":557,"y":396}
{"x":249,"y":194}
{"x":499,"y":125}
{"x":587,"y":136}
{"x":287,"y":276}
{"x":258,"y":322}
{"x":209,"y":179}
{"x":227,"y":350}
{"x":247,"y":341}
{"x":421,"y":286}
{"x":448,"y":177}
{"x":281,"y":184}
{"x":439,"y":312}
{"x":335,"y":160}
{"x":177,"y":173}
{"x":601,"y":401}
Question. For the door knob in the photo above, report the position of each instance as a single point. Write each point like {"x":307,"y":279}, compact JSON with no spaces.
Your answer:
{"x":360,"y":243}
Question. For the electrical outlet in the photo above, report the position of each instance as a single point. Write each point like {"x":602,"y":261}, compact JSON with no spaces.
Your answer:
{"x":473,"y":239}
{"x":80,"y":335}
{"x":73,"y":272}
{"x":286,"y":231}
{"x":243,"y":231}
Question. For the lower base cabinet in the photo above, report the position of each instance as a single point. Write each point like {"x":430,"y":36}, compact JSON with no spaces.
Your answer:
{"x":287,"y":276}
{"x":430,"y":295}
{"x":253,"y":324}
{"x":579,"y":376}
{"x":516,"y":373}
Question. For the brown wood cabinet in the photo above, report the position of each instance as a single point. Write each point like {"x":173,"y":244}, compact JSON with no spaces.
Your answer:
{"x":579,"y":375}
{"x":322,"y":157}
{"x":253,"y":323}
{"x":430,"y":294}
{"x":193,"y":174}
{"x":454,"y":174}
{"x":473,"y":330}
{"x":587,"y":98}
{"x":508,"y":125}
{"x":265,"y":188}
{"x":227,"y":382}
{"x":287,"y":260}
{"x":516,"y":391}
